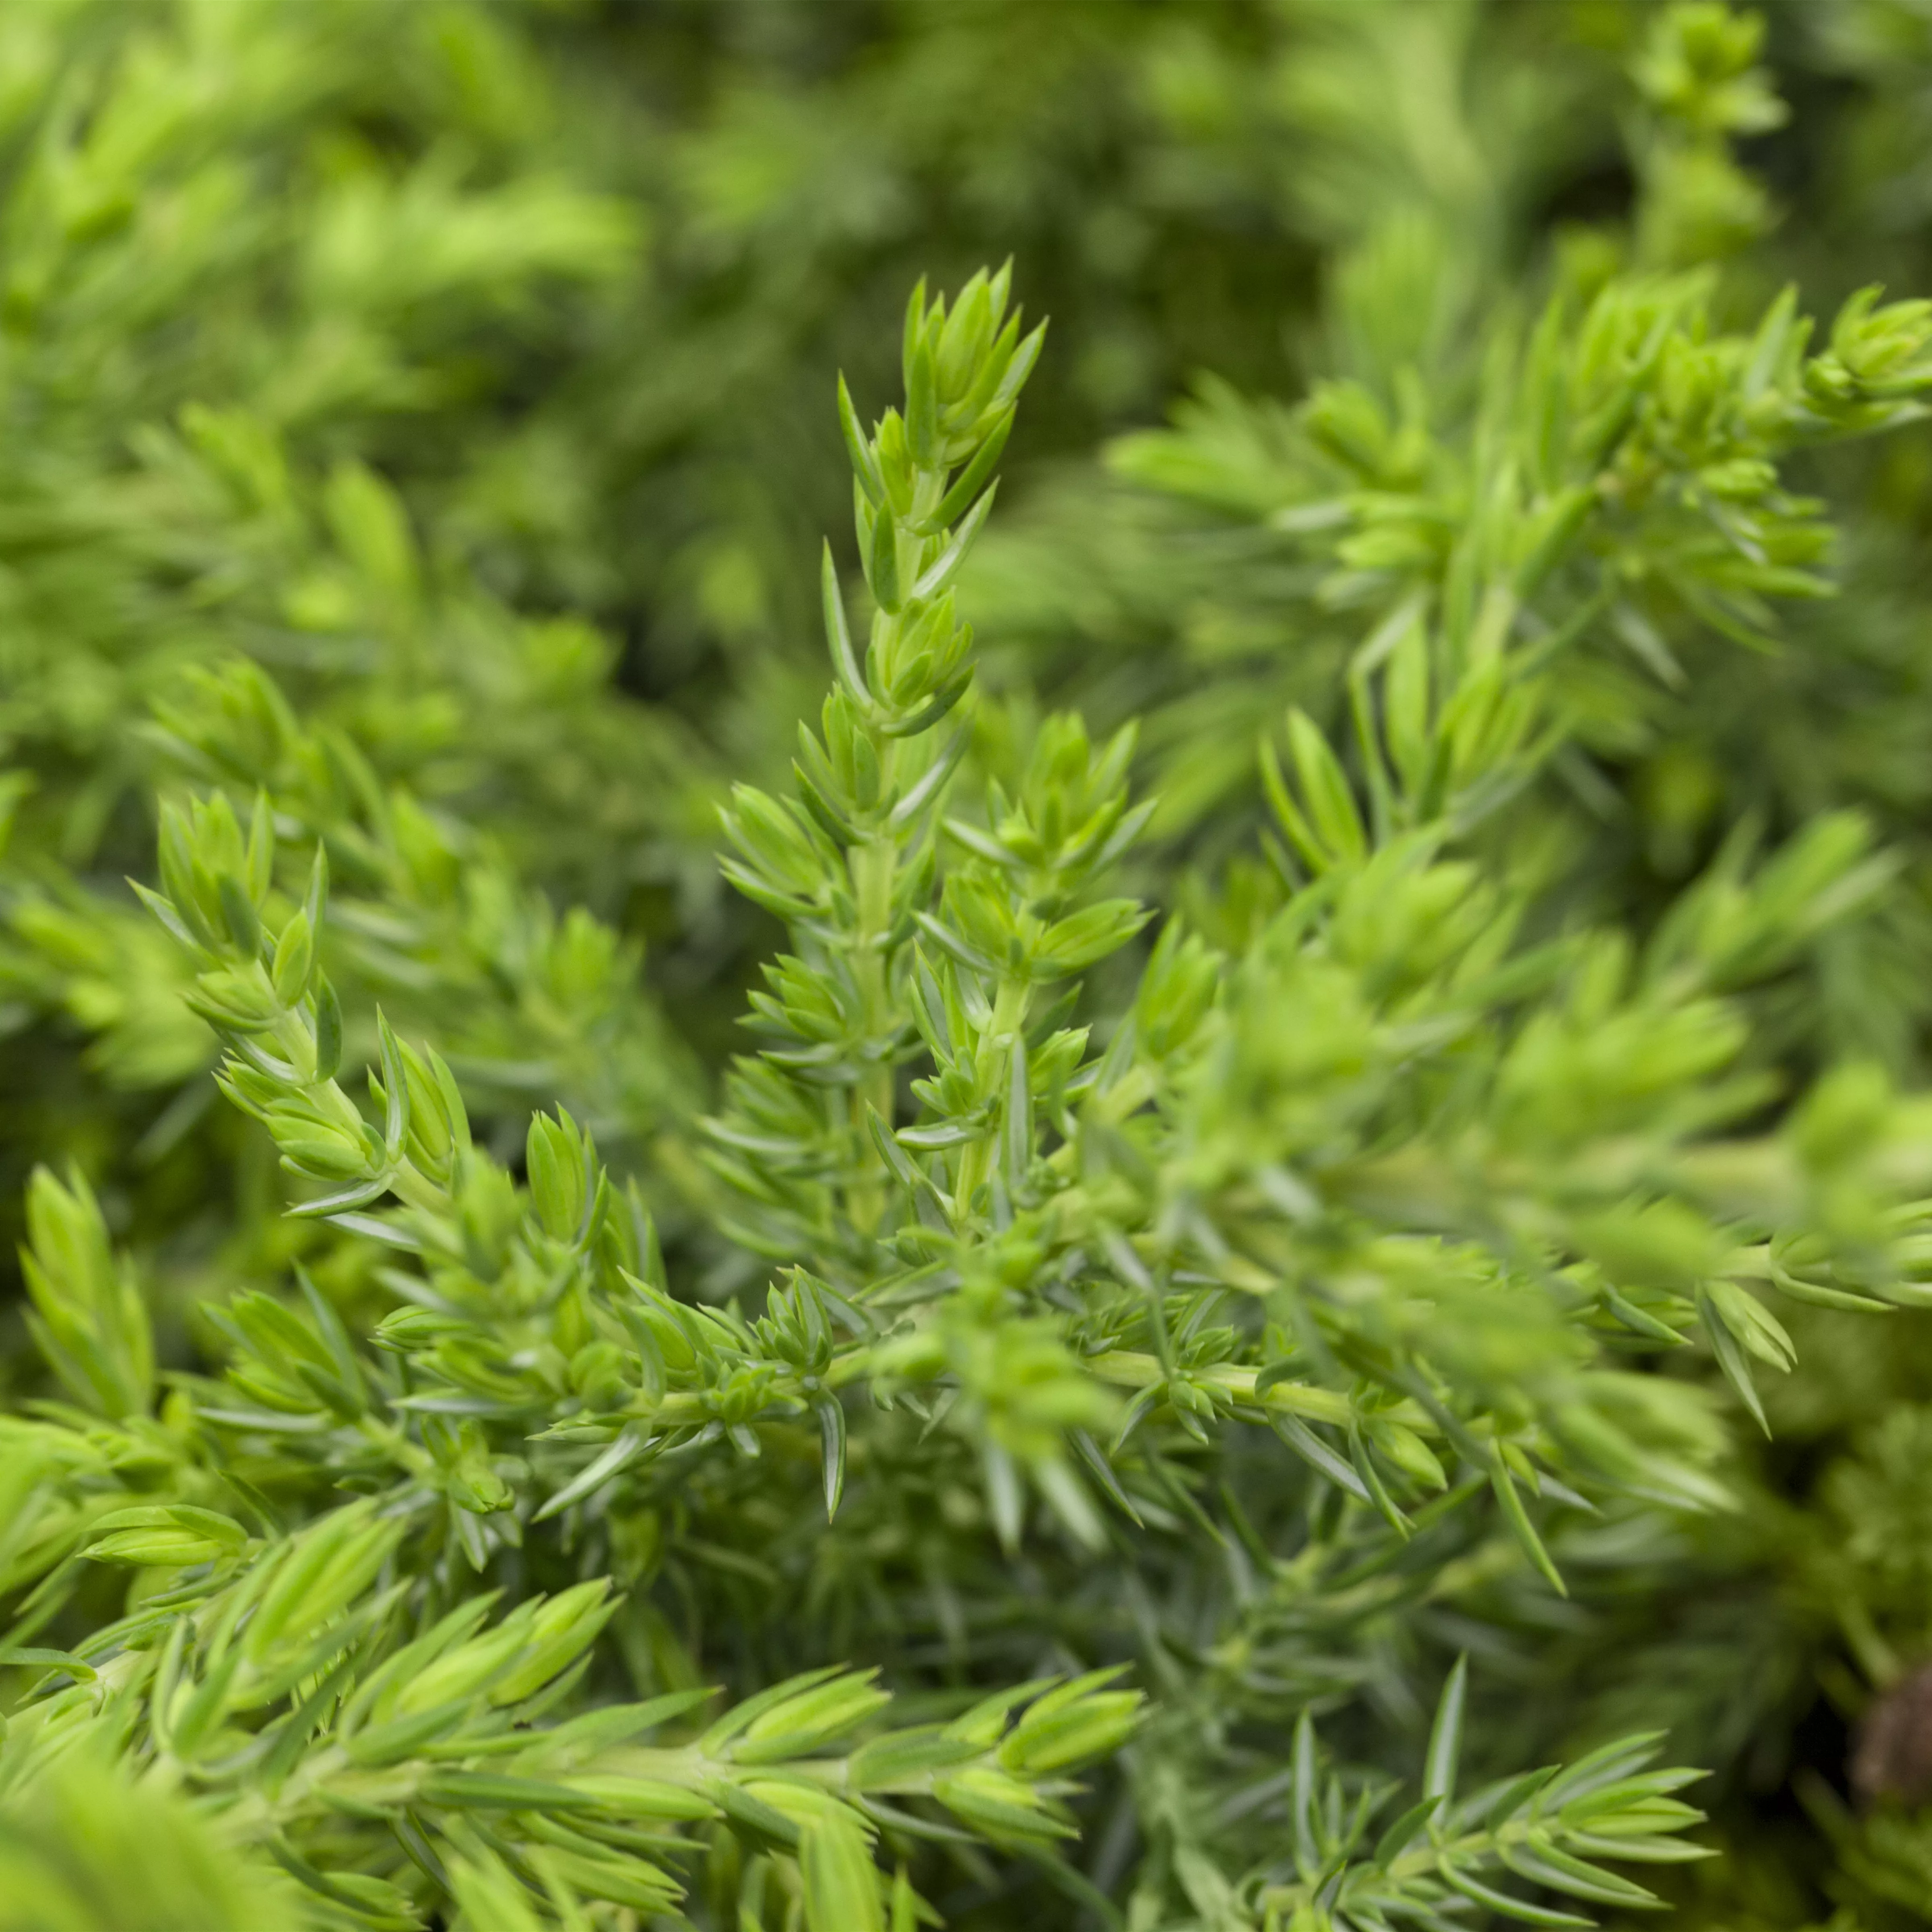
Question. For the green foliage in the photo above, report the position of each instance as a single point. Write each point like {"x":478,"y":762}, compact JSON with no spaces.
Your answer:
{"x":1306,"y":1268}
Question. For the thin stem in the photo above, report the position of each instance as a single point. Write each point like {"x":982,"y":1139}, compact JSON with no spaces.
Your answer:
{"x":874,"y":865}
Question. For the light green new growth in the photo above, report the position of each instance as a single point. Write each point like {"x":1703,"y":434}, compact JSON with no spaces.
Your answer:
{"x":1176,"y":1268}
{"x":314,"y":1668}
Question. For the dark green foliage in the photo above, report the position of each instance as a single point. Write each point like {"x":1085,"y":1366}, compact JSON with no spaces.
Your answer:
{"x":1225,"y":1225}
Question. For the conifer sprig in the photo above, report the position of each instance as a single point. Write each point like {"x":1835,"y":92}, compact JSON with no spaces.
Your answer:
{"x":1548,"y":548}
{"x":1096,"y":1215}
{"x":851,"y":863}
{"x":305,"y":1662}
{"x":1440,"y":1856}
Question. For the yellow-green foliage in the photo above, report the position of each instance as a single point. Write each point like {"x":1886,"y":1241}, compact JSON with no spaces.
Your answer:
{"x":754,"y":1193}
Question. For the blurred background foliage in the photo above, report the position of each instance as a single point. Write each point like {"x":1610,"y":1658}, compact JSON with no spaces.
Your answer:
{"x":421,"y":410}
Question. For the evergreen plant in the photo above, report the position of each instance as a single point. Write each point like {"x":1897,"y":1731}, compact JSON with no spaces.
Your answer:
{"x":1299,"y":1302}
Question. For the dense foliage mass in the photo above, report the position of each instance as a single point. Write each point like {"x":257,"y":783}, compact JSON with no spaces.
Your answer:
{"x":1202,"y":1202}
